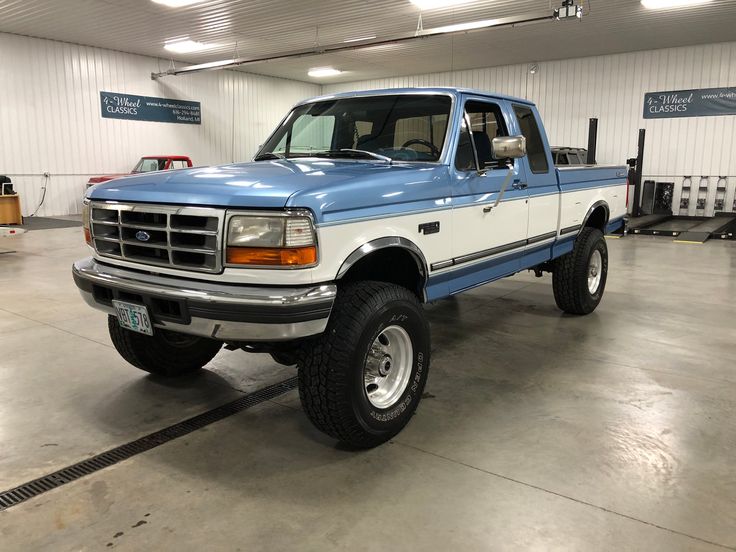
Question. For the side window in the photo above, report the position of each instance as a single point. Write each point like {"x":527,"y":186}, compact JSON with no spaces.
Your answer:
{"x":464,"y":159}
{"x":534,"y":144}
{"x":486,"y":123}
{"x":562,"y":159}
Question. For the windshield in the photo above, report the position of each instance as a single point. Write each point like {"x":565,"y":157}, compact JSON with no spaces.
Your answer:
{"x":398,"y":127}
{"x":149,"y":165}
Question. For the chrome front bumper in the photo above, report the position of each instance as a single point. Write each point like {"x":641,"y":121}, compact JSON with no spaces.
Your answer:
{"x":220,"y":311}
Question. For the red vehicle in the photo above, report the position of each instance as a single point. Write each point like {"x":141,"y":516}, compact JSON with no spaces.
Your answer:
{"x":148,"y":163}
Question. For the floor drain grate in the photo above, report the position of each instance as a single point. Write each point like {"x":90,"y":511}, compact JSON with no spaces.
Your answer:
{"x":26,"y":491}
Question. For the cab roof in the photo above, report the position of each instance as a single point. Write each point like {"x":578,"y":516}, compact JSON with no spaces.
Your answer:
{"x":174,"y":157}
{"x":451,"y":91}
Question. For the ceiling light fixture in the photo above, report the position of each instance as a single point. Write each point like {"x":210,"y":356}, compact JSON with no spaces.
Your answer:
{"x":176,"y":3}
{"x":667,"y":4}
{"x":186,"y":46}
{"x":472,"y":25}
{"x":389,"y":43}
{"x":434,"y":4}
{"x":360,"y":39}
{"x":323,"y":72}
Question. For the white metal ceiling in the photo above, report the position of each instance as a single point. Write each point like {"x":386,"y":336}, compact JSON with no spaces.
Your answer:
{"x":257,"y":27}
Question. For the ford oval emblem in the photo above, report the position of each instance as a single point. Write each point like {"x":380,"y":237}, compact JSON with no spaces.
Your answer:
{"x":142,"y":236}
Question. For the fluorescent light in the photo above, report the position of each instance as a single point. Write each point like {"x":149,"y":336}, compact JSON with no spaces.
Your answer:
{"x":186,"y":46}
{"x":323,"y":72}
{"x":461,"y":27}
{"x":665,"y":4}
{"x":434,"y":4}
{"x":360,"y":39}
{"x":176,"y":3}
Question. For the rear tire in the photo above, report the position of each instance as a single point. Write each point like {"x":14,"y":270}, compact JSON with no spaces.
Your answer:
{"x":362,"y":379}
{"x":165,"y":353}
{"x":579,"y":277}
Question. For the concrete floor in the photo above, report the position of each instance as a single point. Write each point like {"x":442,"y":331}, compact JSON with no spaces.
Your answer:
{"x":539,"y":431}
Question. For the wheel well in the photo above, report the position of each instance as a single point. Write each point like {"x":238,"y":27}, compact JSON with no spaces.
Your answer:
{"x":395,"y":265}
{"x":598,"y":218}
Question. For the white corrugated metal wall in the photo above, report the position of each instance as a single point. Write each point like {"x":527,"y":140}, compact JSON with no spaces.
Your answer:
{"x":50,"y":121}
{"x":612,"y":88}
{"x":50,"y":116}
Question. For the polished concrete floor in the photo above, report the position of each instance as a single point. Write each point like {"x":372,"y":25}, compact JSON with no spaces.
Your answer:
{"x":539,"y":431}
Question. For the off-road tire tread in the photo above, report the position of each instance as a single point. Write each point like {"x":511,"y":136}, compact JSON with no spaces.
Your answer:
{"x":572,"y":268}
{"x":319,"y":383}
{"x":158,"y":357}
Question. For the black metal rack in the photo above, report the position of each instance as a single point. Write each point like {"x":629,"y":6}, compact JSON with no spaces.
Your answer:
{"x":653,"y":209}
{"x":686,"y":228}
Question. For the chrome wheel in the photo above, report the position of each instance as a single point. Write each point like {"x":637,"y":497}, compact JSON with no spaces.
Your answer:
{"x":388,"y":367}
{"x":595,"y":268}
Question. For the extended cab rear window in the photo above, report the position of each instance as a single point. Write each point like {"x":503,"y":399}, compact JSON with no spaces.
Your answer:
{"x":534,"y":145}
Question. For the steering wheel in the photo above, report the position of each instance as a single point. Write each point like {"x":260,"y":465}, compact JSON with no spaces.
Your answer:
{"x":434,"y":149}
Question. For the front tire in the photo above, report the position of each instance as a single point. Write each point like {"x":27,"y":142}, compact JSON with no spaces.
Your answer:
{"x":579,"y":277}
{"x":362,"y":379}
{"x":165,"y":353}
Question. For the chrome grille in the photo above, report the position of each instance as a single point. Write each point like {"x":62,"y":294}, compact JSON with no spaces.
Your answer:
{"x":179,"y":237}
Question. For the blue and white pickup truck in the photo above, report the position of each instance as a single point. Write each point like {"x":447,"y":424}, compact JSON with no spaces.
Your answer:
{"x":357,"y":209}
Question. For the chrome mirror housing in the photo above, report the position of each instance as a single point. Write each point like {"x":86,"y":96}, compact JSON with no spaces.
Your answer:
{"x":508,"y":147}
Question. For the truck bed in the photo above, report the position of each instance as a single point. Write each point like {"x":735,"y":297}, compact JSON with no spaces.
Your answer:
{"x":586,"y":186}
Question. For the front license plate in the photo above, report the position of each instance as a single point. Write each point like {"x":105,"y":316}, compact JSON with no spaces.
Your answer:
{"x":133,"y":317}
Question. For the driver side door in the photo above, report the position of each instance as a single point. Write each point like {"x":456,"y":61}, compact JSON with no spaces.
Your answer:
{"x":488,"y":242}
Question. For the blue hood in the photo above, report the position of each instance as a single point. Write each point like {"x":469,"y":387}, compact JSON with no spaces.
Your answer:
{"x":323,"y":185}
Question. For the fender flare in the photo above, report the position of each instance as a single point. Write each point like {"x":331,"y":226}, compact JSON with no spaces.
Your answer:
{"x":384,"y":243}
{"x":592,"y":208}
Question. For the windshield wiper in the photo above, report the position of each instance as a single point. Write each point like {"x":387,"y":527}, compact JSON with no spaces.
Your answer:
{"x":364,"y":153}
{"x":270,"y":155}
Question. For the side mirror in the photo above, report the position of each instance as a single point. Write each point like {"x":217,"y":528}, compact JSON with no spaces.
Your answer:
{"x":508,"y":147}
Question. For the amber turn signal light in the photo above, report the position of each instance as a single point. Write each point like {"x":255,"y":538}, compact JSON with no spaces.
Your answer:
{"x":270,"y":256}
{"x":87,"y":236}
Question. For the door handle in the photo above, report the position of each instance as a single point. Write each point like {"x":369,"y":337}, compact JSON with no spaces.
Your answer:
{"x":520,"y":186}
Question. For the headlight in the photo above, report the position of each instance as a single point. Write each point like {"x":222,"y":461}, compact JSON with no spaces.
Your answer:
{"x":287,"y":241}
{"x":85,"y":222}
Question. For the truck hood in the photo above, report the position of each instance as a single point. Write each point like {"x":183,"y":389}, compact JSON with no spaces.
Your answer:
{"x":272,"y":184}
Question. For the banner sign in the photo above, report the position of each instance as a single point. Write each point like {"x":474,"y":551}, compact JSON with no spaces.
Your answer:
{"x":705,"y":102}
{"x":148,"y":108}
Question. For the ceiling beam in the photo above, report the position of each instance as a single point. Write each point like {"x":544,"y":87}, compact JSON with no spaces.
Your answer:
{"x":420,"y":33}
